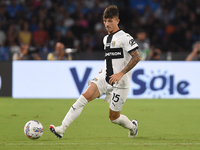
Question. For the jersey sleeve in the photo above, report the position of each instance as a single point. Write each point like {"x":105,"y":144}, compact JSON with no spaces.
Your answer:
{"x":129,"y":43}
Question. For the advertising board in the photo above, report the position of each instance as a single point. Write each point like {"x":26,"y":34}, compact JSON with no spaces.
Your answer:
{"x":68,"y":79}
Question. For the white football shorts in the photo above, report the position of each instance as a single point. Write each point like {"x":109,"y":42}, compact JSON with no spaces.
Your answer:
{"x":116,"y":97}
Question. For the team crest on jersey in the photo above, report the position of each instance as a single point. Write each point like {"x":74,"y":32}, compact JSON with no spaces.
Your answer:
{"x":113,"y":43}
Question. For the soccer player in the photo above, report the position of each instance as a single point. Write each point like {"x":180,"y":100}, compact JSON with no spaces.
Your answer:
{"x":121,"y":56}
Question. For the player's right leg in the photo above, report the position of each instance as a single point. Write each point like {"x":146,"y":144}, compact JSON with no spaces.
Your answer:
{"x":91,"y":93}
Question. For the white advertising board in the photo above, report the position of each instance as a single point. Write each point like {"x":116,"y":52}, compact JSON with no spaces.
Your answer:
{"x":68,"y":79}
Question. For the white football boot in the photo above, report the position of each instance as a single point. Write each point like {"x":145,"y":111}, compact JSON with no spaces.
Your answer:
{"x":133,"y":132}
{"x":58,"y":131}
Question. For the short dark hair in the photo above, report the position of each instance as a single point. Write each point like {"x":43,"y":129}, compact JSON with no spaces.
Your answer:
{"x":110,"y":12}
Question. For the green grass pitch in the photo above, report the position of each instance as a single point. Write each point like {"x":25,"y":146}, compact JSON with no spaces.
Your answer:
{"x":163,"y":125}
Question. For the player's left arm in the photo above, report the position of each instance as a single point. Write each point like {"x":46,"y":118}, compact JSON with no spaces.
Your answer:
{"x":134,"y":60}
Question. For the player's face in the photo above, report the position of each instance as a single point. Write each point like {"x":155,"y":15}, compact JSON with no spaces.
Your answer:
{"x":111,"y":24}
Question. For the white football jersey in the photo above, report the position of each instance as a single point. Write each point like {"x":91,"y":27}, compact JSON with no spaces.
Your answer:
{"x":117,"y":47}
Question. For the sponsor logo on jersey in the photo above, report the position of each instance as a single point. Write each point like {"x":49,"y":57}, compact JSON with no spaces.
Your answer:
{"x":113,"y":54}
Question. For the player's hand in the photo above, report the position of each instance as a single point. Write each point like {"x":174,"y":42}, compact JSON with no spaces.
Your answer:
{"x":115,"y":78}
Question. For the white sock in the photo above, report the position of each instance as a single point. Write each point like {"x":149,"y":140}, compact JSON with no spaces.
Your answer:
{"x":74,"y":111}
{"x":124,"y":122}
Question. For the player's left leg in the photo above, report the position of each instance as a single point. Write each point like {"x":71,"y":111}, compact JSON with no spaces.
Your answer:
{"x":117,"y":100}
{"x":122,"y":120}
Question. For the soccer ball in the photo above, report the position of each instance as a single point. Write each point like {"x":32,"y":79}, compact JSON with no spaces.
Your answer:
{"x":33,"y":129}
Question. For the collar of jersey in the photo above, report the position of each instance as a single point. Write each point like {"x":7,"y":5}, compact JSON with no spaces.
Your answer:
{"x":115,"y":32}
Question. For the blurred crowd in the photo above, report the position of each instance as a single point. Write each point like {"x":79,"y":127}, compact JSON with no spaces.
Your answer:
{"x":157,"y":25}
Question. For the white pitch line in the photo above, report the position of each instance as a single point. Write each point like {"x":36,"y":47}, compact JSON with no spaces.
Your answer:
{"x":138,"y":144}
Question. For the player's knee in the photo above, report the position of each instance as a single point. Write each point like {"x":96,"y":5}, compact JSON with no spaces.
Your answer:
{"x":91,"y":92}
{"x":88,"y":95}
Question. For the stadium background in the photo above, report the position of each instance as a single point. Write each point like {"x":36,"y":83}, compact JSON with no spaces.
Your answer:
{"x":171,"y":25}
